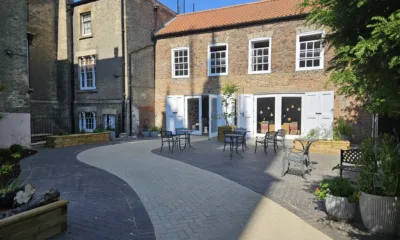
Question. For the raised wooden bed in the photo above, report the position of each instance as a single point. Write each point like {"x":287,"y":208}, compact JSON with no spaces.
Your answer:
{"x":39,"y":223}
{"x":221,"y":132}
{"x":323,"y":146}
{"x":76,"y":139}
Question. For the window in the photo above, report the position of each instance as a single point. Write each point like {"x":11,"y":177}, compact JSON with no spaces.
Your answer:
{"x":260,"y":55}
{"x":218,"y":60}
{"x":87,"y":72}
{"x":180,"y":63}
{"x":87,"y":121}
{"x":310,"y":51}
{"x":86,"y":24}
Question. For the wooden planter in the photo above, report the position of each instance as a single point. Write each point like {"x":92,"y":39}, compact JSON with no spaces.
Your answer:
{"x":323,"y":146}
{"x":76,"y":139}
{"x":39,"y":223}
{"x":221,"y":132}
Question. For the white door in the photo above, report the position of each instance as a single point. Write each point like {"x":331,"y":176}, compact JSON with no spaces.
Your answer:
{"x":109,"y":121}
{"x":319,"y":111}
{"x":193,"y":114}
{"x":213,"y":115}
{"x":245,"y":114}
{"x":174,"y":112}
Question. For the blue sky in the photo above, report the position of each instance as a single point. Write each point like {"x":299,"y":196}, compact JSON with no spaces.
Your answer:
{"x":203,"y":4}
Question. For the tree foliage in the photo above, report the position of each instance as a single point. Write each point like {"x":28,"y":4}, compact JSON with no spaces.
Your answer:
{"x":365,"y":35}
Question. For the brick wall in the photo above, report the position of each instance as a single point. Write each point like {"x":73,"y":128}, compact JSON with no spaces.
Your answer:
{"x":283,"y":78}
{"x":139,"y":32}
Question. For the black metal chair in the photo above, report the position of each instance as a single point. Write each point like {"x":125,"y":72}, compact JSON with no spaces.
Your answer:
{"x":280,"y":137}
{"x":167,"y":137}
{"x":242,"y":140}
{"x":181,"y":135}
{"x":140,"y":132}
{"x":264,"y":141}
{"x":227,"y":139}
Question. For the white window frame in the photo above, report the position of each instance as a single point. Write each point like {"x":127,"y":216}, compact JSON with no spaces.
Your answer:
{"x":321,"y":66}
{"x":173,"y":62}
{"x":209,"y":59}
{"x":255,"y":40}
{"x":84,"y":79}
{"x":82,"y":23}
{"x":82,"y":121}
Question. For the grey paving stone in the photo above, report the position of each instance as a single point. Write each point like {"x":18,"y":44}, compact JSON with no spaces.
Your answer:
{"x":102,"y":206}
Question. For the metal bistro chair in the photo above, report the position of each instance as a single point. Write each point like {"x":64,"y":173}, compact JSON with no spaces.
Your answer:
{"x":298,"y":157}
{"x":242,"y":139}
{"x":280,"y":137}
{"x":140,"y":132}
{"x":168,"y":137}
{"x":180,"y":135}
{"x":268,"y":138}
{"x":227,"y":139}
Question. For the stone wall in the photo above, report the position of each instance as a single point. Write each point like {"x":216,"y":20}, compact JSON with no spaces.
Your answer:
{"x":14,"y":101}
{"x":283,"y":79}
{"x":105,"y":44}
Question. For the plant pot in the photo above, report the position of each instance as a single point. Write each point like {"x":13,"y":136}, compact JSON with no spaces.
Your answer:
{"x":112,"y":135}
{"x":380,"y":214}
{"x":221,"y":130}
{"x":154,"y":133}
{"x":146,"y":133}
{"x":340,"y":208}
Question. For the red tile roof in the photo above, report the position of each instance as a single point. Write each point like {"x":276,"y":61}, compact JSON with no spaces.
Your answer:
{"x":232,"y":15}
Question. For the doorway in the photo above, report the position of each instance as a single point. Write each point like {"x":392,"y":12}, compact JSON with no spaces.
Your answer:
{"x":193,"y":106}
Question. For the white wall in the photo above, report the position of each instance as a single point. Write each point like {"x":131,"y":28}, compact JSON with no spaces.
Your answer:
{"x":15,"y":128}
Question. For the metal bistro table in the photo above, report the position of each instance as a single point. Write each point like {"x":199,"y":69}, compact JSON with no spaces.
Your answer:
{"x":234,"y":142}
{"x":188,"y":133}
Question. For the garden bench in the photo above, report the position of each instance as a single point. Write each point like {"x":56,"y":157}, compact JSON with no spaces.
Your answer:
{"x":348,"y":160}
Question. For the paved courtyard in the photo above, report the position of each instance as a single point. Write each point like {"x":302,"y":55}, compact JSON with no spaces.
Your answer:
{"x":132,"y":191}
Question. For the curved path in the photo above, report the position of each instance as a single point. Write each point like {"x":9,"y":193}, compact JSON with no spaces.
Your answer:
{"x":186,"y":202}
{"x":102,"y":206}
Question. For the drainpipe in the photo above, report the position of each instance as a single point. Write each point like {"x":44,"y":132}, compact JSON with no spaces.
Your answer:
{"x":123,"y":63}
{"x":72,"y":77}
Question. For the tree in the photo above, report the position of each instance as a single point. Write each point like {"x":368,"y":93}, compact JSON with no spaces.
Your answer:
{"x":228,"y":101}
{"x":365,"y":35}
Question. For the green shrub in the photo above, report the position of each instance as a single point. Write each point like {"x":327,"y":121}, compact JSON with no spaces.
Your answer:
{"x":5,"y":153}
{"x":110,"y":129}
{"x":62,"y":133}
{"x":83,"y":131}
{"x":6,"y":169}
{"x":380,"y":166}
{"x":16,"y":148}
{"x":342,"y":128}
{"x":98,"y":130}
{"x":154,"y":129}
{"x":339,"y":187}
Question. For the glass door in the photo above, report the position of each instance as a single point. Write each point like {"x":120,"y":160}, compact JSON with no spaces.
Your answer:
{"x":193,"y":114}
{"x":265,"y":111}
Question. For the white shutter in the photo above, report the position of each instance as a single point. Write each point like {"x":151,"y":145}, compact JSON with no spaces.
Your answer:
{"x":175,"y":112}
{"x":80,"y":122}
{"x":246,"y":112}
{"x":319,"y":108}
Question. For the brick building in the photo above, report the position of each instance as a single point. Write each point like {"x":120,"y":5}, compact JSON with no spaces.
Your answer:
{"x":74,"y":73}
{"x":267,"y":50}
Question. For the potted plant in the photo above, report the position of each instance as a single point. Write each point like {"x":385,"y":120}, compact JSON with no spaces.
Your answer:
{"x":154,"y":131}
{"x":228,"y":106}
{"x":379,"y":182}
{"x":341,"y":198}
{"x":343,"y":130}
{"x":146,"y":132}
{"x":112,"y":133}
